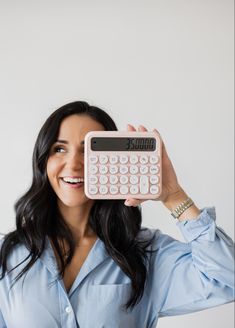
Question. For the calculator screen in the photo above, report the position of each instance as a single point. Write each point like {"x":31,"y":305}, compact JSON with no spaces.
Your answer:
{"x":123,"y":144}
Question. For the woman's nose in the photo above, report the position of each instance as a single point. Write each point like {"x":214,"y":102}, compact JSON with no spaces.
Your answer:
{"x":76,"y":161}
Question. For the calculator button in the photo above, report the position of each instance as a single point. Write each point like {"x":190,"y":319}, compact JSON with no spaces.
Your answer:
{"x":113,"y":179}
{"x":134,"y":179}
{"x":123,"y":179}
{"x":144,"y":169}
{"x":123,"y":159}
{"x":153,"y":159}
{"x":93,"y":169}
{"x":103,"y":169}
{"x":133,"y":159}
{"x":134,"y":190}
{"x":154,"y":179}
{"x":103,"y":179}
{"x":93,"y":159}
{"x":143,"y":159}
{"x":154,"y":169}
{"x":154,"y":190}
{"x":144,"y":184}
{"x":134,"y":169}
{"x":123,"y":169}
{"x":93,"y":179}
{"x":113,"y":159}
{"x":103,"y":159}
{"x":113,"y":169}
{"x":103,"y":190}
{"x":123,"y":190}
{"x":93,"y":190}
{"x":113,"y":190}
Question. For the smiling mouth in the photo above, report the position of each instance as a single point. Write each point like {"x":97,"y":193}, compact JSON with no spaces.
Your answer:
{"x":73,"y":182}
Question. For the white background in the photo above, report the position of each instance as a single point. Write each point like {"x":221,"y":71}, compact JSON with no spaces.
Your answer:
{"x":166,"y":64}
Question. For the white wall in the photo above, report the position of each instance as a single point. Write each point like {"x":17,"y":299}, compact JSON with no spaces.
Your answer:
{"x":165,"y":63}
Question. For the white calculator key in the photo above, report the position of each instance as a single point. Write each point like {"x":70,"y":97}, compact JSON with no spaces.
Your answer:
{"x":144,"y":184}
{"x":113,"y":159}
{"x":154,"y":169}
{"x":123,"y":159}
{"x":144,"y":159}
{"x":93,"y":159}
{"x":93,"y":179}
{"x":144,"y":169}
{"x":103,"y":190}
{"x":154,"y":190}
{"x":103,"y":159}
{"x":123,"y":190}
{"x":103,"y":169}
{"x":153,"y":159}
{"x":134,"y":179}
{"x":133,"y":159}
{"x":123,"y":169}
{"x":134,"y":169}
{"x":134,"y":190}
{"x":113,"y":190}
{"x":113,"y":179}
{"x":113,"y":169}
{"x":154,"y":179}
{"x":93,"y":169}
{"x":93,"y":190}
{"x":103,"y":179}
{"x":123,"y":179}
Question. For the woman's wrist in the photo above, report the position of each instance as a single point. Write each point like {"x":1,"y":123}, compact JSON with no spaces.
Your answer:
{"x":175,"y":199}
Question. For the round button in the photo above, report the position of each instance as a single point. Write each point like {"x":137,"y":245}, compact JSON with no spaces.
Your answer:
{"x":113,"y":179}
{"x":123,"y":179}
{"x":154,"y":169}
{"x":93,"y":159}
{"x":143,"y":159}
{"x":68,"y":309}
{"x":134,"y":179}
{"x":113,"y":190}
{"x":103,"y":159}
{"x":123,"y":169}
{"x":154,"y":190}
{"x":93,"y":179}
{"x":113,"y":159}
{"x":154,"y":179}
{"x":134,"y":169}
{"x":153,"y":159}
{"x":103,"y":190}
{"x":103,"y":169}
{"x":123,"y":159}
{"x":134,"y":190}
{"x":144,"y":169}
{"x":113,"y":169}
{"x":103,"y":179}
{"x":133,"y":159}
{"x":123,"y":190}
{"x":93,"y":169}
{"x":93,"y":190}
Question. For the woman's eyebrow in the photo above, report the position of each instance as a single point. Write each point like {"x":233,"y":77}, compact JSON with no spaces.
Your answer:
{"x":66,"y":142}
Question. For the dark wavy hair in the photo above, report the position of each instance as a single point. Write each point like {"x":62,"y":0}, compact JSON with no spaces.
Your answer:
{"x":38,"y":216}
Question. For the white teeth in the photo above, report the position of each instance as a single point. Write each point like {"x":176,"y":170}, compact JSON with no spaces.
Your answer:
{"x":73,"y":180}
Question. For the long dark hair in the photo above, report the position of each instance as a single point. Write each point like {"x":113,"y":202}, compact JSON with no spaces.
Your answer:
{"x":37,"y":214}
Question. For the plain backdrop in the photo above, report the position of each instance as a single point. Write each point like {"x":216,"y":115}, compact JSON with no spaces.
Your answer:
{"x":166,"y":64}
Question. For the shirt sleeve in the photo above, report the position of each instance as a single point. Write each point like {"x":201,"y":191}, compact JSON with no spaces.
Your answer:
{"x":2,"y":322}
{"x":198,"y":274}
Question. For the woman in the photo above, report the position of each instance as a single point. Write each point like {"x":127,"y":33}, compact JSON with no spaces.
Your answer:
{"x":77,"y":262}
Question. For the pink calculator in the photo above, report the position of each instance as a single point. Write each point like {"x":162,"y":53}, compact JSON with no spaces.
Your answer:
{"x":121,"y":165}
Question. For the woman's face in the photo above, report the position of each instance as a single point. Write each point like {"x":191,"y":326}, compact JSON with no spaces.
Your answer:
{"x":66,"y":159}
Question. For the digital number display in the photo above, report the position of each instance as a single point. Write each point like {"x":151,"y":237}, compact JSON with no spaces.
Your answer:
{"x":123,"y":144}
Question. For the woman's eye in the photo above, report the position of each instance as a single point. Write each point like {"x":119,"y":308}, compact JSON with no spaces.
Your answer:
{"x":59,"y":150}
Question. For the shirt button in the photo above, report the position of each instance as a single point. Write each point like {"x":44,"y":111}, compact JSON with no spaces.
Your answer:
{"x":68,"y":309}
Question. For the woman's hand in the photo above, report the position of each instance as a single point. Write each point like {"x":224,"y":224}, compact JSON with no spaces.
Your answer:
{"x":170,"y":185}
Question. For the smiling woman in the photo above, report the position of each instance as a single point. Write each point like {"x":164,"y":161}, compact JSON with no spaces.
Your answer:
{"x":90,"y":263}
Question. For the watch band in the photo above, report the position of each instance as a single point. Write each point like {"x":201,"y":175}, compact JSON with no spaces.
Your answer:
{"x":181,"y":208}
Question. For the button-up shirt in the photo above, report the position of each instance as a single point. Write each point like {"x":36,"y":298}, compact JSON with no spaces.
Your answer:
{"x":183,"y":277}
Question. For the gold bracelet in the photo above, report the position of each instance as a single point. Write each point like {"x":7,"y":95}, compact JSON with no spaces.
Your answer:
{"x":181,"y":208}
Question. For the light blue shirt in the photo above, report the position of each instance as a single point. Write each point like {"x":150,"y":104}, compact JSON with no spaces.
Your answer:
{"x":183,"y":278}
